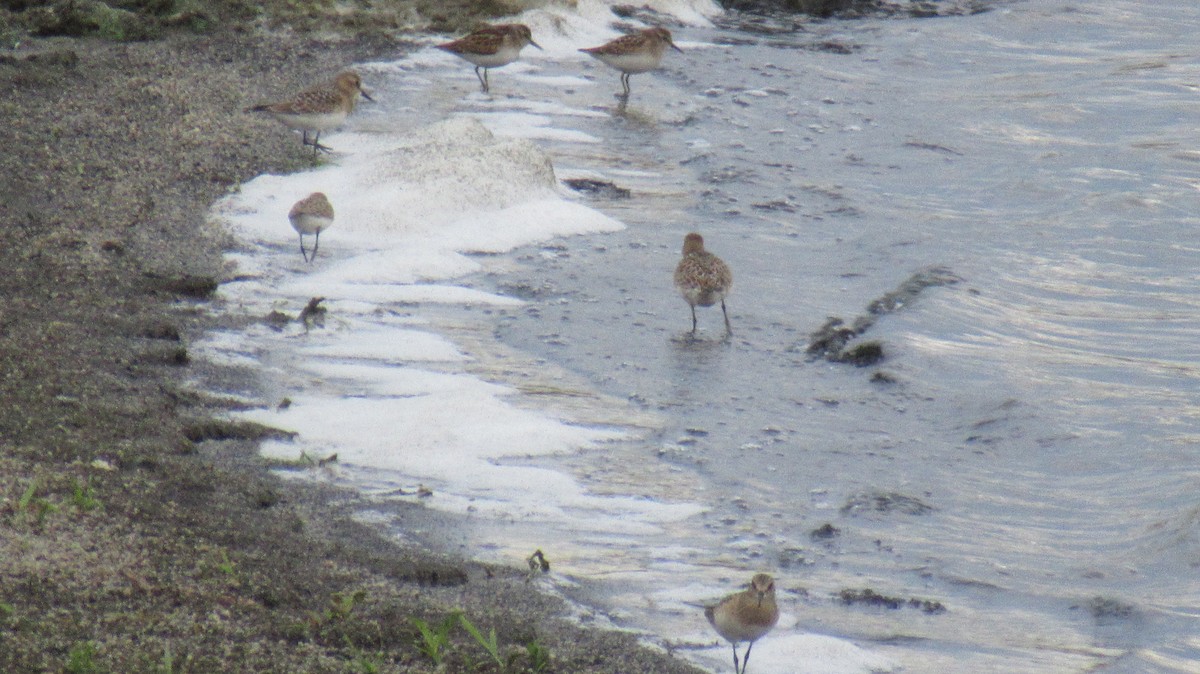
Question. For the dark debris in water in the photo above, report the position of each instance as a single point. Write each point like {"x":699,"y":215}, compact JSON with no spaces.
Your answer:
{"x":727,"y":174}
{"x":776,"y":26}
{"x":277,"y":319}
{"x":931,"y":277}
{"x":828,"y":341}
{"x":1105,"y":609}
{"x":824,"y":46}
{"x":597,"y":188}
{"x":825,"y":532}
{"x":783,"y":205}
{"x":881,"y":377}
{"x":760,"y":22}
{"x":793,"y":557}
{"x":869,"y":597}
{"x":831,"y":47}
{"x":831,"y":339}
{"x":537,"y":562}
{"x":859,"y":9}
{"x":862,"y":355}
{"x":885,"y":502}
{"x":819,"y":8}
{"x":313,"y":313}
{"x":529,"y":291}
{"x":645,"y":14}
{"x":933,"y":147}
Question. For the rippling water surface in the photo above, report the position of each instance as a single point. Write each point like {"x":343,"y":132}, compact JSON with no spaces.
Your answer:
{"x":1029,"y":458}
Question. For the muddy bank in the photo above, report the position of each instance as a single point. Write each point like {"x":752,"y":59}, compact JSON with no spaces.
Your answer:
{"x":137,"y":534}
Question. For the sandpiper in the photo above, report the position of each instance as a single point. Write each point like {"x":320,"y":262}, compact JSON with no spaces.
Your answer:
{"x":634,"y":53}
{"x":746,"y":616}
{"x":491,"y":47}
{"x":319,"y":108}
{"x":702,"y":278}
{"x":311,"y":215}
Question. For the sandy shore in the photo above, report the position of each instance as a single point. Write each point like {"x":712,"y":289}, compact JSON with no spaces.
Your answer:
{"x":138,"y":532}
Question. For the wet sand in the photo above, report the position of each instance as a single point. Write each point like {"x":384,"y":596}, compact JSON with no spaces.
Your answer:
{"x":138,"y":532}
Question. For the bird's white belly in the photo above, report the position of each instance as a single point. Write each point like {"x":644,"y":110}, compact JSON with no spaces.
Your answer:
{"x":306,"y":223}
{"x":700,"y":297}
{"x":312,"y":121}
{"x":502,"y":57}
{"x":631,"y":63}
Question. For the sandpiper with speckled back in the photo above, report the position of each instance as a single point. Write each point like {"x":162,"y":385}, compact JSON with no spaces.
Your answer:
{"x":311,"y":215}
{"x":319,"y":108}
{"x":634,"y":53}
{"x":746,"y":616}
{"x":491,"y":47}
{"x":702,"y":278}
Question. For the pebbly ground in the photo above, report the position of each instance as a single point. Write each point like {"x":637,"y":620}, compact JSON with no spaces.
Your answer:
{"x":138,"y":532}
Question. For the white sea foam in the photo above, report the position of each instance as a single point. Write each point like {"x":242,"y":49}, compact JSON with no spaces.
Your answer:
{"x":448,"y":436}
{"x":561,"y":29}
{"x":411,"y":211}
{"x":387,"y":345}
{"x":808,"y":653}
{"x":542,"y":107}
{"x":525,"y":125}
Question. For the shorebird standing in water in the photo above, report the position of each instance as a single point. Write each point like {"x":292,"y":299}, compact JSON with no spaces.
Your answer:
{"x":319,"y":108}
{"x":634,"y":53}
{"x":702,"y":278}
{"x":311,"y":215}
{"x":746,"y":616}
{"x":491,"y":47}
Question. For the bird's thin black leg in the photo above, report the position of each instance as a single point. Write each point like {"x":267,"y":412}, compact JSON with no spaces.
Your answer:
{"x":317,"y":146}
{"x":746,"y":658}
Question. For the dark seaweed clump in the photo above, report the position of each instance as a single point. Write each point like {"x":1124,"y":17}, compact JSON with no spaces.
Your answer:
{"x":869,"y":597}
{"x":597,"y":188}
{"x":825,"y":532}
{"x":886,"y":503}
{"x":831,"y":339}
{"x":851,"y":9}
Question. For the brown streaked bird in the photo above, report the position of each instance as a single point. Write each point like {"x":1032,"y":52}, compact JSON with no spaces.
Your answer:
{"x":745,"y":616}
{"x":311,"y":215}
{"x":702,"y":278}
{"x":491,"y":47}
{"x":319,"y":108}
{"x":634,"y":53}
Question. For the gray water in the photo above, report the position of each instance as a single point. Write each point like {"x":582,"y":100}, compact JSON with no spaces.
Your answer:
{"x":1038,"y":436}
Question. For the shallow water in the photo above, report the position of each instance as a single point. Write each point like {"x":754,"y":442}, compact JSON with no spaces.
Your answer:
{"x":1031,"y":464}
